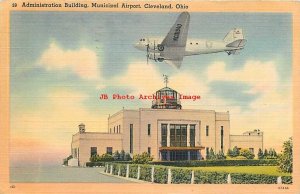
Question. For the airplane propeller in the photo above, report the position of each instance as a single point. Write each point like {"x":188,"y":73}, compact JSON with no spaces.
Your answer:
{"x":147,"y":53}
{"x":154,"y":50}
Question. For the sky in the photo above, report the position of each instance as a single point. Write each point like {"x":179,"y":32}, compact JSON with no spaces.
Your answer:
{"x":62,"y":61}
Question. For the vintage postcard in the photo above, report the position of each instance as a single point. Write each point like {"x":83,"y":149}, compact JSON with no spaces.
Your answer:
{"x":149,"y":97}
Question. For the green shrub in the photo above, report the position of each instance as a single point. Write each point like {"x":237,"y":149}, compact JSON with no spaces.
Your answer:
{"x":160,"y":175}
{"x":116,"y":169}
{"x":103,"y":157}
{"x":143,"y":158}
{"x":204,"y":163}
{"x":211,"y":155}
{"x":202,"y":177}
{"x":91,"y":164}
{"x":287,"y":179}
{"x":235,"y":152}
{"x":220,"y":156}
{"x":181,"y":176}
{"x":133,"y":169}
{"x":116,"y":155}
{"x":240,"y":158}
{"x":240,"y":178}
{"x":123,"y":168}
{"x":145,"y":173}
{"x":260,"y":154}
{"x":246,"y":153}
{"x":286,"y":158}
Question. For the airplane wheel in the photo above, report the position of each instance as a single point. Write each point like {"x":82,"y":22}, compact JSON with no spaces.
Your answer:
{"x":160,"y":59}
{"x":160,"y":47}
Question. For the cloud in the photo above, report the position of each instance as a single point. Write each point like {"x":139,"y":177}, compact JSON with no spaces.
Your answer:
{"x":141,"y":78}
{"x":262,"y":76}
{"x":82,"y":62}
{"x":50,"y":125}
{"x":270,"y":111}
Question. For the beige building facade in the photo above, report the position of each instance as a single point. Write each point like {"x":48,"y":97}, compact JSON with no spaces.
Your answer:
{"x":166,"y":131}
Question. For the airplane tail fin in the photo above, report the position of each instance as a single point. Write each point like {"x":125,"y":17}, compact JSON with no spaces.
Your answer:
{"x":234,"y":34}
{"x":235,"y":41}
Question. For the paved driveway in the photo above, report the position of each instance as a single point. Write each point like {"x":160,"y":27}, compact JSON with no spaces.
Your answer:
{"x":62,"y":175}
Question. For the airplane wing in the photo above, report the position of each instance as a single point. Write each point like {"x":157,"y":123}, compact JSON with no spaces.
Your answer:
{"x":177,"y":35}
{"x":175,"y":63}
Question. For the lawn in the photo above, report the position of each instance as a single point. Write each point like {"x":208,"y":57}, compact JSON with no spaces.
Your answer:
{"x":269,"y":170}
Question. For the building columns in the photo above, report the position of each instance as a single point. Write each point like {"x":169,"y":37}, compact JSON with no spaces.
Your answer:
{"x":168,"y":135}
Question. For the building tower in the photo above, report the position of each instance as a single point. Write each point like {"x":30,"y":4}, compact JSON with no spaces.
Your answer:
{"x":166,"y":98}
{"x":81,"y":128}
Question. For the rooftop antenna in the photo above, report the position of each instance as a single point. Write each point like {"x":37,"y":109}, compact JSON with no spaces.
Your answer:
{"x":166,"y":79}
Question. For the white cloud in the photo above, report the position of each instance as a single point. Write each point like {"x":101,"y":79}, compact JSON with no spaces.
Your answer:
{"x":271,"y":111}
{"x":82,"y":62}
{"x":141,"y":77}
{"x":262,"y":76}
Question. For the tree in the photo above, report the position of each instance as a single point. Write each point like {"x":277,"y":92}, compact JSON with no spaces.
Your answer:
{"x":143,"y":158}
{"x":286,"y":158}
{"x":260,"y":154}
{"x":95,"y":158}
{"x":127,"y":157}
{"x":116,"y":155}
{"x":106,"y":157}
{"x":235,"y":151}
{"x":266,"y":154}
{"x":247,"y":153}
{"x":229,"y":152}
{"x":211,"y":155}
{"x":220,"y":156}
{"x":272,"y":154}
{"x":122,"y":155}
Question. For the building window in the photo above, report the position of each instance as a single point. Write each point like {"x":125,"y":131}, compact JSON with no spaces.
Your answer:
{"x":178,"y":135}
{"x":149,"y":150}
{"x":131,"y":138}
{"x":164,"y":135}
{"x":207,"y":152}
{"x":193,"y":155}
{"x":119,"y":128}
{"x":192,"y":135}
{"x":149,"y":129}
{"x":164,"y":155}
{"x":93,"y":151}
{"x":114,"y":129}
{"x":222,"y":138}
{"x":109,"y":150}
{"x":207,"y":130}
{"x":110,"y":130}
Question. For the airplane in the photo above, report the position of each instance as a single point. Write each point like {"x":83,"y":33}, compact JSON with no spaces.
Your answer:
{"x":175,"y":46}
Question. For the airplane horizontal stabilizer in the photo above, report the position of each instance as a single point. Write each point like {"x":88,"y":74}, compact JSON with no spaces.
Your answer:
{"x":237,"y":43}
